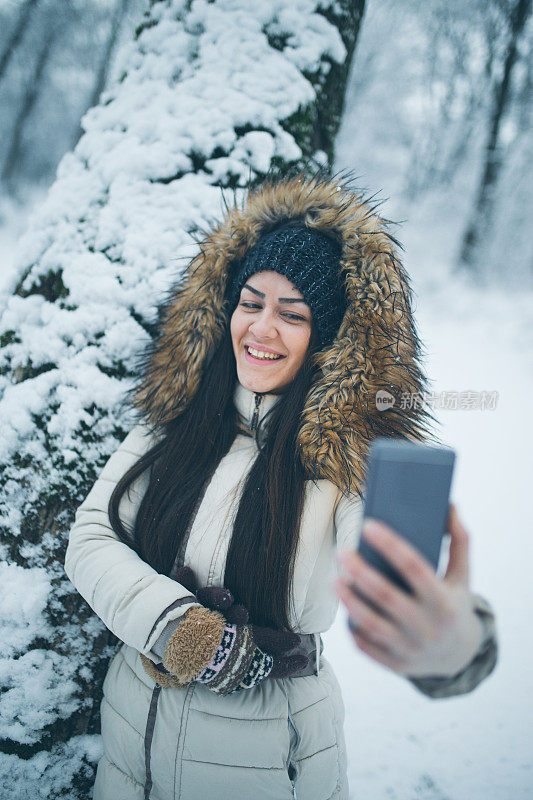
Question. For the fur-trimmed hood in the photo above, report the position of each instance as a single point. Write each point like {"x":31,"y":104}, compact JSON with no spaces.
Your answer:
{"x":376,"y":348}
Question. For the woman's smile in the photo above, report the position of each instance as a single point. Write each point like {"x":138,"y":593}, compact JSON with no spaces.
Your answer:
{"x":265,"y":357}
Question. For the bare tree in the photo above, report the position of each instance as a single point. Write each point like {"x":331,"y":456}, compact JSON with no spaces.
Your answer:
{"x":518,"y":14}
{"x":16,"y":34}
{"x":33,"y":88}
{"x":53,"y":79}
{"x":102,"y":73}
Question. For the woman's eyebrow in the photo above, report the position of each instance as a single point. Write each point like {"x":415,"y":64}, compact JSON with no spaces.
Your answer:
{"x":281,"y":299}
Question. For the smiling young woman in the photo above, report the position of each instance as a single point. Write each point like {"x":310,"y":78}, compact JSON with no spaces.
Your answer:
{"x":243,"y":477}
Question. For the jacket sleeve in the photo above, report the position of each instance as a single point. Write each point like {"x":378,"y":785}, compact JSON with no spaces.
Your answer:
{"x":479,"y":668}
{"x":348,"y":523}
{"x":133,"y":600}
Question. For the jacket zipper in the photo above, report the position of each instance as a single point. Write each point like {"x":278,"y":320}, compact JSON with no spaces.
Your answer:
{"x":294,"y":743}
{"x":255,"y":415}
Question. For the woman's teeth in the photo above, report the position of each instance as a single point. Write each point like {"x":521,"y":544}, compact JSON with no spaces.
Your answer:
{"x":260,"y":354}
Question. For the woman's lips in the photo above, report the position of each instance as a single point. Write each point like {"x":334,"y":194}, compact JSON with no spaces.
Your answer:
{"x":253,"y":360}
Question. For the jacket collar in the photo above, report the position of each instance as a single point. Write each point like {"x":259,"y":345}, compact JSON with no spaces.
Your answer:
{"x":252,"y":406}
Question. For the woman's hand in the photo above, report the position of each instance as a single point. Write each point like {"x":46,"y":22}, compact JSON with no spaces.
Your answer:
{"x":433,"y":632}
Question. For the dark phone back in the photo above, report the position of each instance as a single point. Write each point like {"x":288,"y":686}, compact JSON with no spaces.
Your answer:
{"x":408,"y":488}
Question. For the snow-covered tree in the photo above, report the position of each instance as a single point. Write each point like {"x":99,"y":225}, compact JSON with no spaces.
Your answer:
{"x":210,"y":96}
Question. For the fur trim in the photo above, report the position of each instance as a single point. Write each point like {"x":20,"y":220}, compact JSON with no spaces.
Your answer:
{"x":194,"y":642}
{"x":376,"y":347}
{"x":161,"y":678}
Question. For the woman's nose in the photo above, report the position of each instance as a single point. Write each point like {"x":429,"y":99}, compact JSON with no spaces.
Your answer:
{"x":263,"y":326}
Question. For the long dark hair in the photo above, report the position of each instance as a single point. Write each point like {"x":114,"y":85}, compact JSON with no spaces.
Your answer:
{"x":260,"y":559}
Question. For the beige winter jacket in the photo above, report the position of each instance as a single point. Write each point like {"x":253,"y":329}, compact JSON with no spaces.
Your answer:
{"x":205,"y":745}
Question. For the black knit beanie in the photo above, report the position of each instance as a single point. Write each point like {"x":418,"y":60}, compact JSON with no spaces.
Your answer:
{"x":310,"y":260}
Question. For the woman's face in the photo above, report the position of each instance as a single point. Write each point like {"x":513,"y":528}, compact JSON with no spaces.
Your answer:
{"x":271,"y":317}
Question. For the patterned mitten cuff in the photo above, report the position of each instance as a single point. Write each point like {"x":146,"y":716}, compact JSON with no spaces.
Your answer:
{"x":222,"y":653}
{"x":477,"y":670}
{"x":260,"y":668}
{"x":237,"y":663}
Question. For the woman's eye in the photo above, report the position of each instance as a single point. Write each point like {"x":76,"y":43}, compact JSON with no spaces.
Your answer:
{"x":296,"y":317}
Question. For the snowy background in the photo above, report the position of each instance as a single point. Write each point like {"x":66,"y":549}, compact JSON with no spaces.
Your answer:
{"x":414,"y":127}
{"x":401,"y":745}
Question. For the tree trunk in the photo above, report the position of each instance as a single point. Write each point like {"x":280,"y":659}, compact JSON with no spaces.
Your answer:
{"x":483,"y":207}
{"x":158,"y":154}
{"x":16,"y":34}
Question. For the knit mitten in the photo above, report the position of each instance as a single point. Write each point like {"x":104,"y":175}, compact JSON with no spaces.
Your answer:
{"x":223,"y":652}
{"x":217,"y":598}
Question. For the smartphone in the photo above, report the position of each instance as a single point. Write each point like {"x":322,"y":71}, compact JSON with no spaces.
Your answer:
{"x":408,"y":488}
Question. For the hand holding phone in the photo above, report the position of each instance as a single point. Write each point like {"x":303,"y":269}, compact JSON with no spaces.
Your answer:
{"x":437,"y":632}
